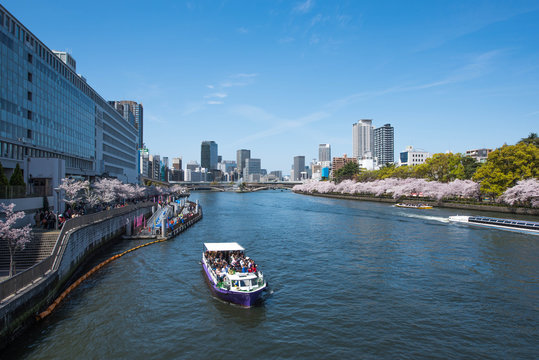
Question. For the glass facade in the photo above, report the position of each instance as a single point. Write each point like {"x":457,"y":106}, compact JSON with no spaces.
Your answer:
{"x":48,"y":110}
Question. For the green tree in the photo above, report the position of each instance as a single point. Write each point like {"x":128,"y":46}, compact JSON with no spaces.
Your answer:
{"x":470,"y":166}
{"x":3,"y":177}
{"x":444,"y":167}
{"x":507,"y":165}
{"x":531,"y":139}
{"x":16,"y":178}
{"x":348,"y":171}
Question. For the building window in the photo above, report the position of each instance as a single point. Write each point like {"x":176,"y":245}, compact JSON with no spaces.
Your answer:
{"x":29,"y":96}
{"x":29,"y":58}
{"x":30,"y":77}
{"x":29,"y":115}
{"x":29,"y":133}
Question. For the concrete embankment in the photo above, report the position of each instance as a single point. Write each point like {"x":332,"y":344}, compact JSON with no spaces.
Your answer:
{"x":441,"y":204}
{"x":74,"y":248}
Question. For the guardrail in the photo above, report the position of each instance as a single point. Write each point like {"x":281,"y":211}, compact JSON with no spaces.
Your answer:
{"x":51,"y":263}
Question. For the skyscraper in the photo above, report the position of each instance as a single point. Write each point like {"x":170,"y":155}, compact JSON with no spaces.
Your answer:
{"x":138,"y":113}
{"x":384,"y":149}
{"x":324,"y":152}
{"x":208,"y":155}
{"x":251,"y":172}
{"x":241,"y":156}
{"x":299,"y":167}
{"x":362,"y":139}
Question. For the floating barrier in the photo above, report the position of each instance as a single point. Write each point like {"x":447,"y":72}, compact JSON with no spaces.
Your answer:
{"x":72,"y":287}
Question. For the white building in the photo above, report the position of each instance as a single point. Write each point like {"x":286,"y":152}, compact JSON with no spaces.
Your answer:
{"x":362,"y":138}
{"x":412,"y":156}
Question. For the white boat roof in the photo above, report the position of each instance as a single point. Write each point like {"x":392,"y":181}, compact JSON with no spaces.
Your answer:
{"x":228,"y":246}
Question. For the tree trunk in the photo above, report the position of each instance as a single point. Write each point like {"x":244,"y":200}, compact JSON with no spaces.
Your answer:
{"x":11,"y":262}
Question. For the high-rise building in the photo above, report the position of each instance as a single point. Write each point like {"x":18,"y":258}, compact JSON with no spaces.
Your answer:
{"x":324,"y":152}
{"x":299,"y":167}
{"x":362,"y":139}
{"x":208,"y":155}
{"x":132,"y":107}
{"x":241,"y":156}
{"x":50,"y":111}
{"x":251,"y":172}
{"x":144,"y":162}
{"x":156,"y":167}
{"x":384,"y":149}
{"x":177,"y":163}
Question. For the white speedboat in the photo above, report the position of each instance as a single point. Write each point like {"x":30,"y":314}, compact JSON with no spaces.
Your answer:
{"x":525,"y":226}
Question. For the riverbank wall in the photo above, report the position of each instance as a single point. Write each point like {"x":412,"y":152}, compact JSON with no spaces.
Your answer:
{"x":441,"y":204}
{"x":74,"y":248}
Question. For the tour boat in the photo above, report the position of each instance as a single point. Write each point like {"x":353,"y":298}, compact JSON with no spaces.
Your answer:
{"x":414,"y":206}
{"x":525,"y":226}
{"x":241,"y":288}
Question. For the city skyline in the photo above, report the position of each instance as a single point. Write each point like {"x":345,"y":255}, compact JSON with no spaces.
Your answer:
{"x":447,"y":77}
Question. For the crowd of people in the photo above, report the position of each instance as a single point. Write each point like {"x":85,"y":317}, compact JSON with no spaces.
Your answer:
{"x":229,"y":262}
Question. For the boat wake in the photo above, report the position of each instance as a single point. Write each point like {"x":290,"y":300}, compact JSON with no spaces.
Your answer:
{"x":427,"y":217}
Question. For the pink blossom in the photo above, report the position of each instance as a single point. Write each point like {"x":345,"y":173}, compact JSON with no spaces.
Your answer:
{"x":16,"y":238}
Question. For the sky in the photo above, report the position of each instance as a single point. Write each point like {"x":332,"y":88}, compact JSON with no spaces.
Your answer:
{"x":281,"y":77}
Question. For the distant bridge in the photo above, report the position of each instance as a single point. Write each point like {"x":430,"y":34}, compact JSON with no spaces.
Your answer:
{"x":227,"y":186}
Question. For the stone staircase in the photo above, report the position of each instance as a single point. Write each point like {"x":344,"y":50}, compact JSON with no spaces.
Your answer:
{"x":39,"y":248}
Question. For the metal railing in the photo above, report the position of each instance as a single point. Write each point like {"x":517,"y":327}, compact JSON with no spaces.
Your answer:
{"x":51,"y":263}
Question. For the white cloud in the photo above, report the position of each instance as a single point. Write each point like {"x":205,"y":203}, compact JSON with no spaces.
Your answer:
{"x":303,"y":7}
{"x":477,"y":67}
{"x":280,"y":126}
{"x":242,"y":30}
{"x":214,"y":102}
{"x":216,"y":95}
{"x":287,"y":39}
{"x":210,"y":86}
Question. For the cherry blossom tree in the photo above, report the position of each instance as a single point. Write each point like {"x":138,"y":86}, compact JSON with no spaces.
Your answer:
{"x":395,"y":188}
{"x":16,"y":238}
{"x":74,"y":190}
{"x":524,"y":192}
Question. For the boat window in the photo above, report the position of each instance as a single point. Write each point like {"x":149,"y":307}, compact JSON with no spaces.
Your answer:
{"x":243,"y":283}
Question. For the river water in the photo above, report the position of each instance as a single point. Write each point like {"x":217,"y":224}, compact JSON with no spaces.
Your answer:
{"x":348,"y":279}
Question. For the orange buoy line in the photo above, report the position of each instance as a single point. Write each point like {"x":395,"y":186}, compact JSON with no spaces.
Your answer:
{"x":59,"y":299}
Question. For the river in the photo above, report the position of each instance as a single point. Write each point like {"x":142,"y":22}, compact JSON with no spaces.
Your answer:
{"x":348,"y":279}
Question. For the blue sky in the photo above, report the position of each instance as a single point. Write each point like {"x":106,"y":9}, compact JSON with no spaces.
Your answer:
{"x":280,"y":77}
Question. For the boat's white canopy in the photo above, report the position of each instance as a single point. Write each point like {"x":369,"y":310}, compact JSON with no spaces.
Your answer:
{"x":228,"y":246}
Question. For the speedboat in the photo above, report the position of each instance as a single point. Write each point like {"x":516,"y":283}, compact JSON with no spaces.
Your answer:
{"x":228,"y":280}
{"x":414,"y":206}
{"x":525,"y":226}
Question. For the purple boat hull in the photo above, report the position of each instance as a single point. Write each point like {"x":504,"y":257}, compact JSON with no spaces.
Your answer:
{"x":246,"y":299}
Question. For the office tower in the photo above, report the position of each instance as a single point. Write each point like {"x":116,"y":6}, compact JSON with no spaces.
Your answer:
{"x":251,"y":172}
{"x":324,"y":152}
{"x":177,"y":163}
{"x":156,"y":167}
{"x":241,"y":156}
{"x":362,"y":139}
{"x":144,"y":162}
{"x":137,"y":116}
{"x":50,"y":111}
{"x":208,"y":155}
{"x":299,"y":167}
{"x":384,"y":144}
